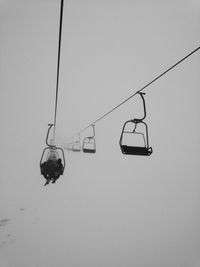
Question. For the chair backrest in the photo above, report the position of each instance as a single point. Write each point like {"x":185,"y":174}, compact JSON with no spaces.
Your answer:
{"x":52,"y":155}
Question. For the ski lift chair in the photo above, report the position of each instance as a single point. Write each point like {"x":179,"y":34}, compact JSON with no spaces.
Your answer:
{"x":76,"y":145}
{"x":142,"y":150}
{"x":52,"y":162}
{"x":69,"y":146}
{"x":89,"y":143}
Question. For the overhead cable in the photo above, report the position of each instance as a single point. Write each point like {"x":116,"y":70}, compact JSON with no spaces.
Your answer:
{"x":58,"y":64}
{"x":144,"y":87}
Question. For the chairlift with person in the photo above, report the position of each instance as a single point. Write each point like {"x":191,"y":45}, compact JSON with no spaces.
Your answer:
{"x":52,"y":162}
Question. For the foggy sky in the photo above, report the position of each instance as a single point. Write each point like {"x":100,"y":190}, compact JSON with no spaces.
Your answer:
{"x":108,"y":209}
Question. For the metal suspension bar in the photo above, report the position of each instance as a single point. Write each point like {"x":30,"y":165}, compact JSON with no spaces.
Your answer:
{"x":58,"y":65}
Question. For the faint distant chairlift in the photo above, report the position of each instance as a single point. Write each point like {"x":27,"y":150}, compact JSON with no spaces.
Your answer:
{"x":69,"y":146}
{"x":52,"y":162}
{"x":76,"y":145}
{"x":89,"y":143}
{"x":129,"y":130}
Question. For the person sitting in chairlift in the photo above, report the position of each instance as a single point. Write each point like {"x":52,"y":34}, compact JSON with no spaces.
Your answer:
{"x":51,"y":170}
{"x":59,"y":170}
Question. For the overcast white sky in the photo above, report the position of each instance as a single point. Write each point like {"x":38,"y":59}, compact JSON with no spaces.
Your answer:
{"x":108,"y":209}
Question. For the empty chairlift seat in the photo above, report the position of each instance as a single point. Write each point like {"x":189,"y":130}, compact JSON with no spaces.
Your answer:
{"x":89,"y":143}
{"x":76,"y":145}
{"x":132,"y":141}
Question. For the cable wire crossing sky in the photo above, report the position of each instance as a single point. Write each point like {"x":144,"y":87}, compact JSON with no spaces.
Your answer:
{"x":140,"y":90}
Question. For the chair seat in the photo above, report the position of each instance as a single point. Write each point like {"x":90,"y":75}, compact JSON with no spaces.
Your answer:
{"x":136,"y":150}
{"x":76,"y":149}
{"x":89,"y":150}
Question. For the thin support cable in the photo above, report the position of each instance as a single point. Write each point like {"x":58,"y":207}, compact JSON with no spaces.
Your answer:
{"x":148,"y":84}
{"x":58,"y":65}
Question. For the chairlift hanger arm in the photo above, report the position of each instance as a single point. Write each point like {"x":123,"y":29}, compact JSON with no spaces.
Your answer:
{"x":47,"y":137}
{"x":93,"y":128}
{"x":144,"y":105}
